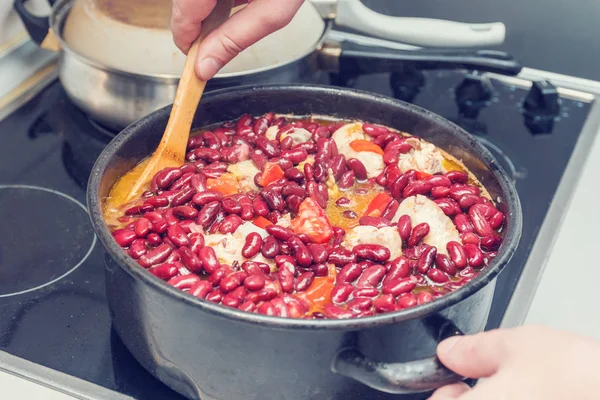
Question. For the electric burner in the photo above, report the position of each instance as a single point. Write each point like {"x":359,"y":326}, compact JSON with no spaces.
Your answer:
{"x":54,"y":307}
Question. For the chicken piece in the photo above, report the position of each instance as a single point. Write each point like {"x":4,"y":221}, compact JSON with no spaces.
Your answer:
{"x":271,"y":132}
{"x":298,"y":135}
{"x":424,"y":157}
{"x":441,"y":228}
{"x":373,"y":162}
{"x":228,"y":247}
{"x":285,"y":221}
{"x":387,"y":237}
{"x":244,"y":172}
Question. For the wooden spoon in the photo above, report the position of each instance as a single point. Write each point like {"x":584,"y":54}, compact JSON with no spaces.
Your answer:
{"x":171,"y":150}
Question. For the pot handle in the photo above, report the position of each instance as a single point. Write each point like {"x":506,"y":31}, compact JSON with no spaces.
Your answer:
{"x":356,"y":59}
{"x":37,"y":27}
{"x":423,"y":32}
{"x":399,"y":378}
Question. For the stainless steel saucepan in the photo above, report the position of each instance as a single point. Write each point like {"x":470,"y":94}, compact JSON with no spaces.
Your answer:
{"x":120,"y":69}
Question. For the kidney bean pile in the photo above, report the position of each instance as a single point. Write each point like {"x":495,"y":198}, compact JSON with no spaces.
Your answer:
{"x":305,"y":271}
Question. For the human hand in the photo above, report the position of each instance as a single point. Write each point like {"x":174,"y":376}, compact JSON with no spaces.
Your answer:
{"x":526,"y":363}
{"x":246,"y":27}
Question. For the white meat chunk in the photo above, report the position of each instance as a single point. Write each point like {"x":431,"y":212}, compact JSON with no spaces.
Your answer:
{"x":245,"y":171}
{"x":228,"y":248}
{"x":285,"y":221}
{"x":298,"y":135}
{"x":373,"y":162}
{"x":441,"y":228}
{"x":424,"y":157}
{"x":387,"y":236}
{"x":271,"y":132}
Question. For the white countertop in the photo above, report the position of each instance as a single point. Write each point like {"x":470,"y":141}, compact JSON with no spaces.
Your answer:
{"x":565,"y":297}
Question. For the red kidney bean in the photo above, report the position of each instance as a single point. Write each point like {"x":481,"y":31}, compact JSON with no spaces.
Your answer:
{"x":371,"y":276}
{"x":349,"y":273}
{"x":399,"y":268}
{"x":304,"y":281}
{"x":490,"y":242}
{"x":209,"y":259}
{"x":496,"y":220}
{"x":337,"y":312}
{"x":338,"y":166}
{"x":385,"y":303}
{"x":190,"y":259}
{"x":424,"y":297}
{"x":284,"y":163}
{"x":341,"y":293}
{"x":215,"y":277}
{"x":170,"y":218}
{"x":174,"y":256}
{"x":318,"y":252}
{"x":294,"y":174}
{"x":286,"y":144}
{"x":208,"y":214}
{"x":178,"y":236}
{"x":260,"y":207}
{"x":274,"y":216}
{"x":463,"y":223}
{"x":137,"y":248}
{"x":270,"y":247}
{"x":437,"y":276}
{"x":142,"y":227}
{"x":391,"y":156}
{"x":211,"y":140}
{"x":167,"y":176}
{"x":286,"y":278}
{"x":244,"y":120}
{"x":252,"y":246}
{"x":440,"y":181}
{"x":458,"y":191}
{"x":247,"y":306}
{"x":390,"y":210}
{"x":416,"y":187}
{"x":185,"y":212}
{"x":360,"y":171}
{"x":310,"y":147}
{"x":350,"y":214}
{"x":407,"y":300}
{"x":281,"y":309}
{"x":260,"y":126}
{"x":373,"y":252}
{"x":231,"y":206}
{"x":267,"y":309}
{"x":155,"y":256}
{"x":324,"y":149}
{"x":358,"y":304}
{"x":198,"y":183}
{"x":201,"y":289}
{"x":396,"y":287}
{"x":247,"y":212}
{"x":154,"y":239}
{"x":382,"y":180}
{"x":468,"y":200}
{"x":279,"y":232}
{"x":425,"y":262}
{"x":164,"y":271}
{"x":286,"y":262}
{"x":439,"y":192}
{"x":346,"y":180}
{"x":184,"y":282}
{"x":293,"y":202}
{"x":398,"y":186}
{"x":203,"y":198}
{"x":196,"y":241}
{"x":341,"y":256}
{"x":457,"y":176}
{"x":258,"y":158}
{"x":383,"y":140}
{"x":273,"y":199}
{"x":268,"y":147}
{"x":232,"y":281}
{"x":183,"y":196}
{"x":369,"y":292}
{"x":470,"y":237}
{"x":480,"y":224}
{"x":320,"y":171}
{"x":377,"y":222}
{"x":124,"y":237}
{"x":404,"y":227}
{"x":418,"y":233}
{"x":474,"y":255}
{"x":309,"y":172}
{"x":292,"y":188}
{"x":230,"y":301}
{"x":301,"y":253}
{"x":444,"y":263}
{"x":230,"y":224}
{"x":457,"y":254}
{"x":374,"y":130}
{"x":182,"y":182}
{"x":215,"y":170}
{"x":448,"y":206}
{"x":253,"y":268}
{"x":157,"y":201}
{"x":206,"y":154}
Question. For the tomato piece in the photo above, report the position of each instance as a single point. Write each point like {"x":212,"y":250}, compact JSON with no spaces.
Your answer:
{"x":225,"y":184}
{"x":318,"y":295}
{"x":423,"y":175}
{"x":378,"y":205}
{"x":271,"y":173}
{"x":365,"y":145}
{"x":261,"y":222}
{"x":312,"y":222}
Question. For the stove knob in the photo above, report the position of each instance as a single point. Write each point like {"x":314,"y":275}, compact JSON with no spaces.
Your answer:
{"x":541,"y":107}
{"x":473,"y":93}
{"x":406,"y":85}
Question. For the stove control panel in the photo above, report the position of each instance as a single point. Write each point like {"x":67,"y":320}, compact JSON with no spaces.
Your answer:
{"x":473,"y":94}
{"x":541,"y":106}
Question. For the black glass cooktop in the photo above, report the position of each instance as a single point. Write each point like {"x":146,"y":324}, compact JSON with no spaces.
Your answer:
{"x":52,"y":297}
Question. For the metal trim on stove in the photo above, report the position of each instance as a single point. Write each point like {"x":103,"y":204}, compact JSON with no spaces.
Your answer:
{"x":55,"y":380}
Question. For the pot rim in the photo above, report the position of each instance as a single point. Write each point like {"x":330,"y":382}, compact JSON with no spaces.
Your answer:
{"x":507,"y":249}
{"x":61,"y":10}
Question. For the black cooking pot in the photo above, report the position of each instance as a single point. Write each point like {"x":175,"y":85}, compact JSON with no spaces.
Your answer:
{"x":207,"y":351}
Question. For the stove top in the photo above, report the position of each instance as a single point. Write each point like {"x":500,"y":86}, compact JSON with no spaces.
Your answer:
{"x":51,"y":267}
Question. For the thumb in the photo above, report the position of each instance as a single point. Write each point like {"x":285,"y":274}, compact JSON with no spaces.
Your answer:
{"x":476,"y":356}
{"x":246,"y":27}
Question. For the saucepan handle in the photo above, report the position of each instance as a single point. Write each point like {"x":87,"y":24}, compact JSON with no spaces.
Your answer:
{"x":36,"y":26}
{"x":424,"y":32}
{"x":356,"y":59}
{"x":398,"y":378}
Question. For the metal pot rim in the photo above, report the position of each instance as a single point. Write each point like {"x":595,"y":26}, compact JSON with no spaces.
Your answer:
{"x":61,"y":10}
{"x":508,"y":247}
